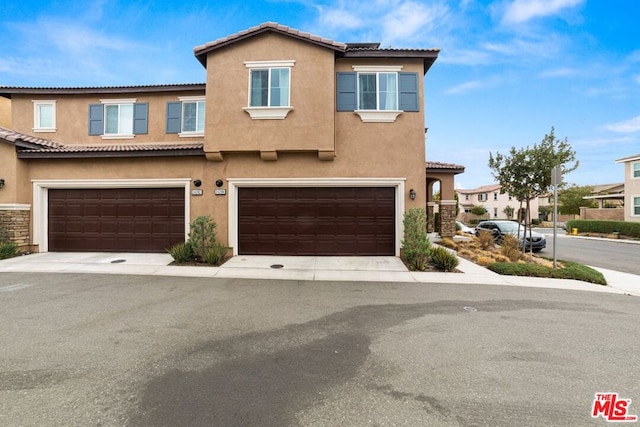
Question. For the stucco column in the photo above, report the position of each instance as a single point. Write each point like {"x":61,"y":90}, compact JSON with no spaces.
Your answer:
{"x":447,"y":218}
{"x":431,"y":207}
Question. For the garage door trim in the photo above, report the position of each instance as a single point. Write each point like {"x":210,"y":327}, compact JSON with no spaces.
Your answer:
{"x":40,"y":199}
{"x":235,"y":183}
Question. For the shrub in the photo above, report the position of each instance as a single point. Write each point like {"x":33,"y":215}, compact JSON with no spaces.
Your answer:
{"x":448,"y":243}
{"x":215,"y":254}
{"x":510,"y":247}
{"x":631,"y":229}
{"x":572,"y":270}
{"x":478,"y":210}
{"x":416,"y":242}
{"x":485,"y":261}
{"x":443,"y":260}
{"x":485,"y":238}
{"x":8,"y":250}
{"x":202,"y":235}
{"x":181,"y":252}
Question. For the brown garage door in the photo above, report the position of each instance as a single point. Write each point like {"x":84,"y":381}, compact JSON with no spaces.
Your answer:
{"x":316,"y":221}
{"x":115,"y":220}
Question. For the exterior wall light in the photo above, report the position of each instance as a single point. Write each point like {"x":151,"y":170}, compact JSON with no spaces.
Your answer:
{"x":1,"y":182}
{"x":412,"y":194}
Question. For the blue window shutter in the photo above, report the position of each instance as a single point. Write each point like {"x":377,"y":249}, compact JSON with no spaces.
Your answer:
{"x":346,"y":91}
{"x":174,"y":117}
{"x":140,"y":118}
{"x":96,"y":119}
{"x":408,"y":88}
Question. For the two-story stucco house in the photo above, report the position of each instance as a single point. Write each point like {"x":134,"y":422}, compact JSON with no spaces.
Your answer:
{"x":495,"y":203}
{"x":631,"y":187}
{"x":294,"y":144}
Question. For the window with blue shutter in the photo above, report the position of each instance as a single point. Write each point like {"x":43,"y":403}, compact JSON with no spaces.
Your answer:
{"x":346,"y":97}
{"x":408,"y":91}
{"x":174,"y":117}
{"x":96,"y":119}
{"x":140,"y":118}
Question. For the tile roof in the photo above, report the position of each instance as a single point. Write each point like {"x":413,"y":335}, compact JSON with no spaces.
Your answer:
{"x":6,"y":91}
{"x":629,"y":158}
{"x":483,"y":189}
{"x":30,"y":147}
{"x":441,"y":165}
{"x":201,"y":51}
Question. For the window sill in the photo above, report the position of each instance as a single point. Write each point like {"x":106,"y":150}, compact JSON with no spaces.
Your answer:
{"x":376,"y":116}
{"x":191,"y":134}
{"x":117,"y":136}
{"x":268,"y":113}
{"x":45,"y":130}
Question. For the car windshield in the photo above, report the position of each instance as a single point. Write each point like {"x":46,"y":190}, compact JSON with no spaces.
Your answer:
{"x":509,"y":227}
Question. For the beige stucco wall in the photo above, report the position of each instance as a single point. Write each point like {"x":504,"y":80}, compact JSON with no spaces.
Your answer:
{"x":72,"y":117}
{"x":14,"y":173}
{"x":631,"y":190}
{"x":5,"y":112}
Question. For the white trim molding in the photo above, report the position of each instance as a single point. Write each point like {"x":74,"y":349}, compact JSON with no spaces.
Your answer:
{"x":14,"y":207}
{"x":268,"y":113}
{"x":377,"y":68}
{"x":41,"y":200}
{"x":270,"y":64}
{"x":378,"y":116}
{"x":235,"y":183}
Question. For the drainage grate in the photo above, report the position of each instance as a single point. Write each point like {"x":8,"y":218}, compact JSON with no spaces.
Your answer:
{"x":118,"y":261}
{"x":277,"y":266}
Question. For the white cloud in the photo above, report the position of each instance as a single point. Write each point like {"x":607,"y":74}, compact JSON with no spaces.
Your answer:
{"x":520,"y":11}
{"x":467,"y":87}
{"x":411,"y":18}
{"x":559,"y":72}
{"x":625,"y":126}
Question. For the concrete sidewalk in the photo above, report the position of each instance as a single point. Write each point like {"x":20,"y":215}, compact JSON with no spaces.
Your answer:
{"x":387,"y":269}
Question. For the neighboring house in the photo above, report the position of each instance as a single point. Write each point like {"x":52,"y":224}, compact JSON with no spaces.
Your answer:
{"x":631,"y":187}
{"x":294,"y":145}
{"x":494,"y":202}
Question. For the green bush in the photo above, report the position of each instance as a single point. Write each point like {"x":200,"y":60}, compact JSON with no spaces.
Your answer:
{"x":8,"y":250}
{"x":202,"y":236}
{"x":416,"y":242}
{"x":571,"y":270}
{"x":181,"y":252}
{"x":215,"y":254}
{"x":443,"y":260}
{"x":631,"y":229}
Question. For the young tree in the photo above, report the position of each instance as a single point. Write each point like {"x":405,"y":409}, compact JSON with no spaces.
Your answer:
{"x":570,"y":200}
{"x":525,"y":173}
{"x":508,"y":211}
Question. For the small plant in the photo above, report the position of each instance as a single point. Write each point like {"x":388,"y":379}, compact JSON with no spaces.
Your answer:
{"x":8,"y":250}
{"x":485,"y":261}
{"x":510,"y":247}
{"x":181,"y":252}
{"x":215,"y":254}
{"x":485,"y":238}
{"x":202,"y":236}
{"x":444,"y":260}
{"x":448,"y":243}
{"x":416,"y":242}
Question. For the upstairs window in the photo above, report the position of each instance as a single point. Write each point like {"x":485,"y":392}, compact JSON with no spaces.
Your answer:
{"x":186,"y":117}
{"x":269,"y":89}
{"x":635,"y":169}
{"x":44,"y":116}
{"x":121,"y":118}
{"x":636,"y":206}
{"x":495,"y":196}
{"x":482,"y":197}
{"x":378,"y":91}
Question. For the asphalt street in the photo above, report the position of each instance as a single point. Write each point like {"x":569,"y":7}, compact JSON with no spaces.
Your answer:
{"x":118,"y":350}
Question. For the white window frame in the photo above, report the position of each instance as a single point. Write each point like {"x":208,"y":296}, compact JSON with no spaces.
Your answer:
{"x":633,"y":205}
{"x":377,"y":115}
{"x":37,"y":127}
{"x":118,"y":102}
{"x":633,"y":170}
{"x":495,"y":196}
{"x":191,"y":100}
{"x":267,"y":112}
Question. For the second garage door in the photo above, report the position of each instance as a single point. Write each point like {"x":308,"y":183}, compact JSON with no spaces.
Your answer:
{"x":316,"y":221}
{"x":116,"y":220}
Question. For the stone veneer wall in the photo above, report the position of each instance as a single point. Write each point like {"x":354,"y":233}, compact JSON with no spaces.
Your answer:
{"x":14,"y":224}
{"x":606,"y":214}
{"x":430,"y":217}
{"x":447,"y":220}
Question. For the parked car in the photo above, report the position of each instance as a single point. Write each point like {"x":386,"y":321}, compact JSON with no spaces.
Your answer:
{"x":499,"y":228}
{"x":465,"y":229}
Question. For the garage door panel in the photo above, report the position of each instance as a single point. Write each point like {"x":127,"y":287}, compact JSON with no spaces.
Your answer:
{"x":316,"y":221}
{"x":130,"y":219}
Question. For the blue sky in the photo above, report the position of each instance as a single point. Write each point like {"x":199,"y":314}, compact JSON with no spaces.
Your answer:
{"x":508,"y":70}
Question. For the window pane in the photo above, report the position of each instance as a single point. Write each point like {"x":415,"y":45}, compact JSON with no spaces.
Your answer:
{"x":279,"y":87}
{"x":45,"y":116}
{"x":126,"y":119}
{"x":189,"y":116}
{"x":259,"y":88}
{"x":367,"y":88}
{"x":388,"y":91}
{"x":636,"y":170}
{"x":200,"y":122}
{"x":111,"y":119}
{"x":636,"y":205}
